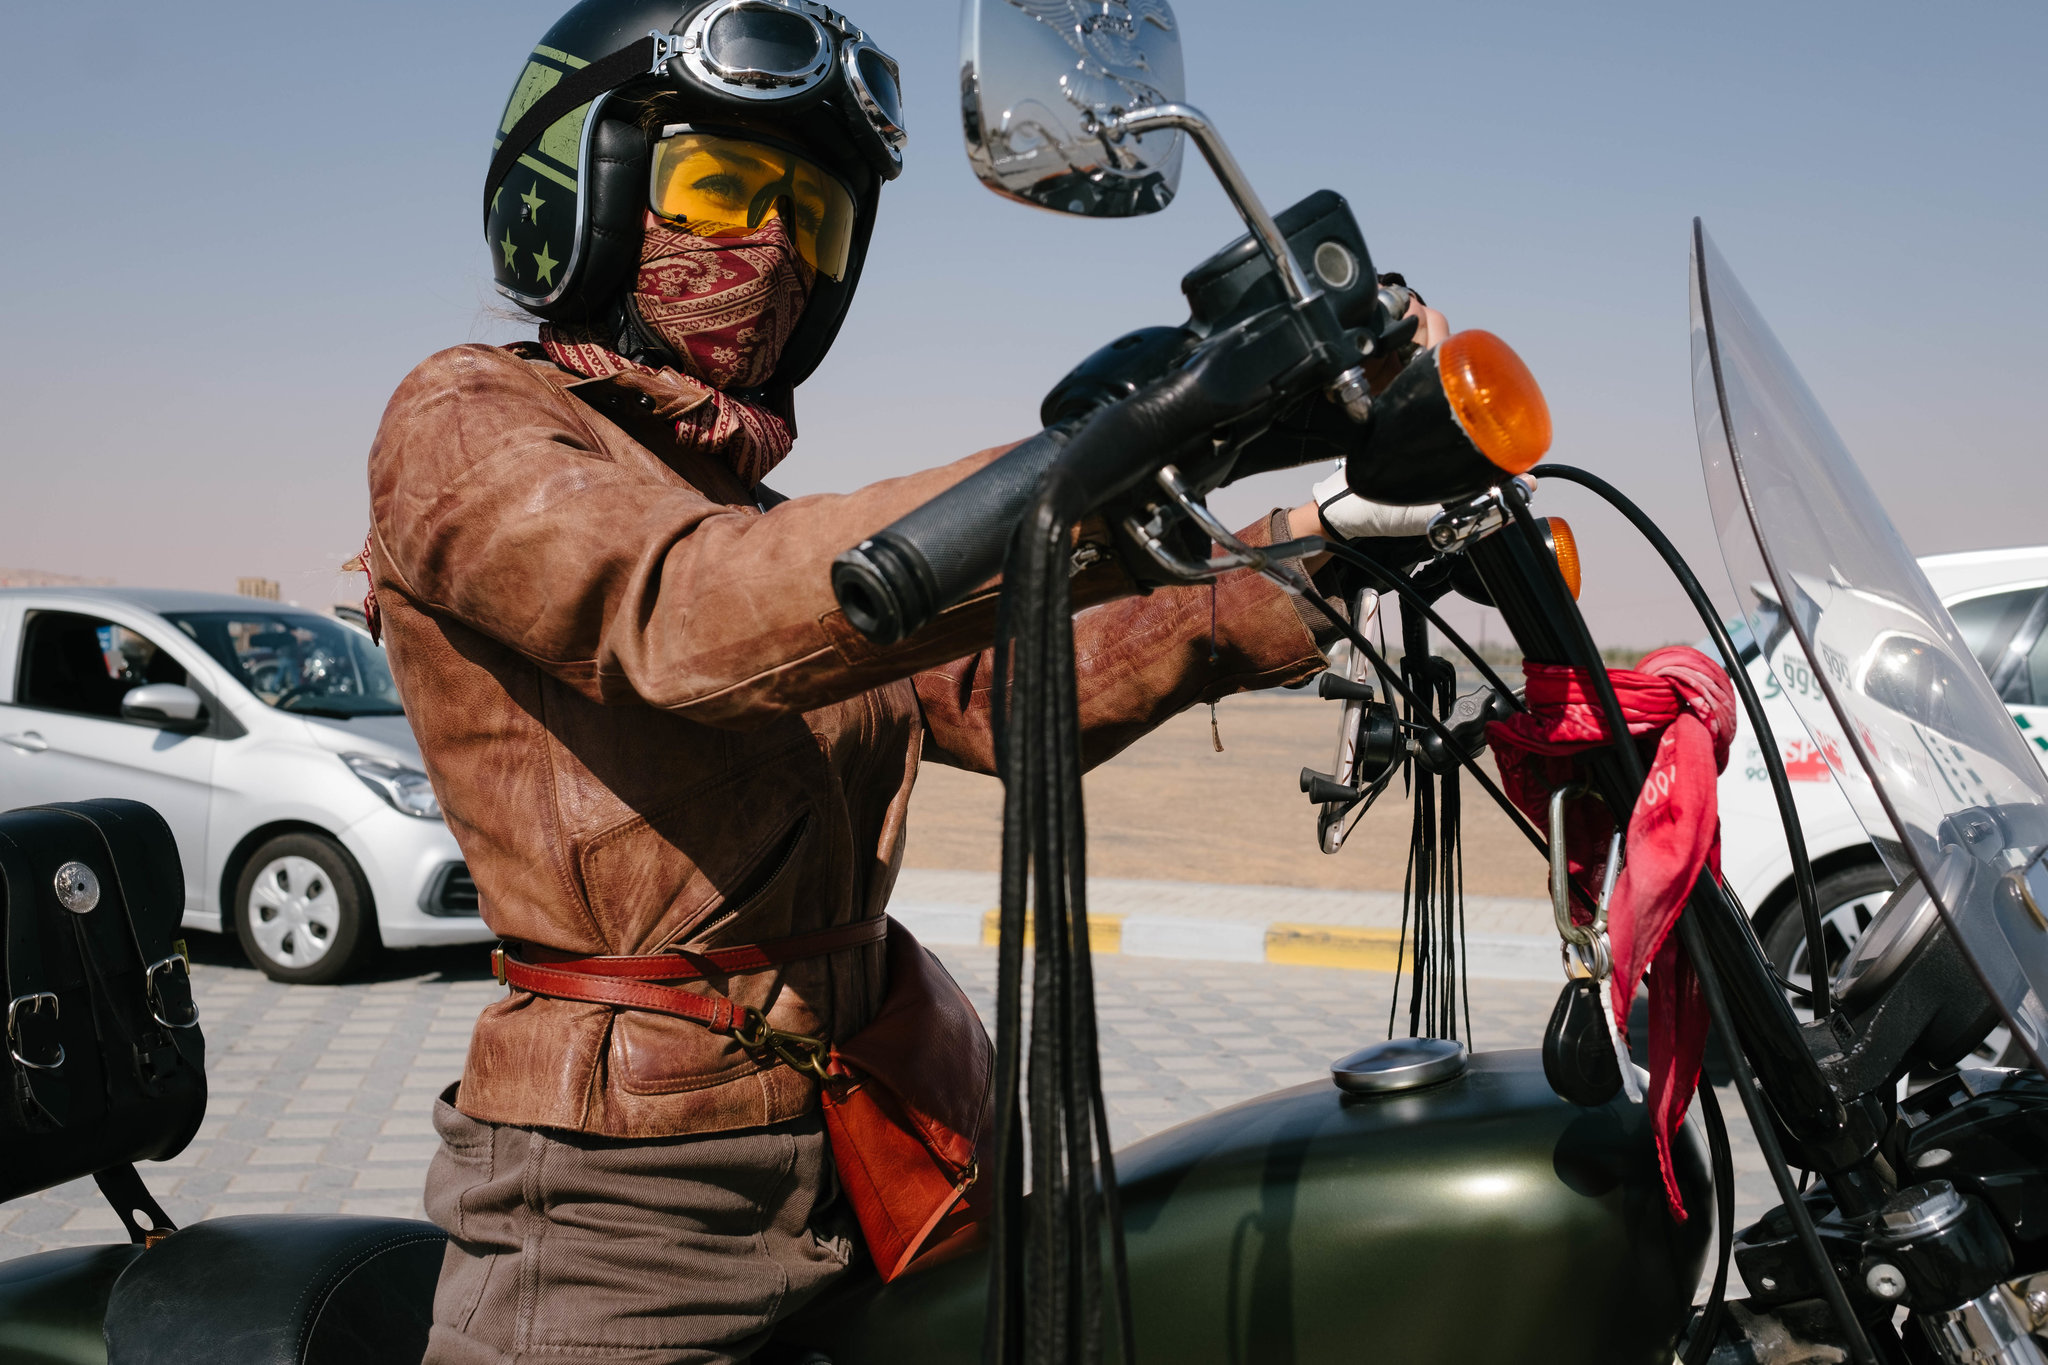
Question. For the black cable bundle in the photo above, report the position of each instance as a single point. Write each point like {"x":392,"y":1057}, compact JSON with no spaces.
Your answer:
{"x":1045,"y":1276}
{"x":1433,"y":889}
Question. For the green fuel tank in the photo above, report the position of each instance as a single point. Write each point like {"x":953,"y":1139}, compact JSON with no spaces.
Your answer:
{"x":1481,"y":1218}
{"x":1475,"y":1219}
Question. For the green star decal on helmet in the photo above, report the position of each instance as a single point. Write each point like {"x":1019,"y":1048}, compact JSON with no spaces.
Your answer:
{"x":533,"y":201}
{"x":507,"y":247}
{"x":544,"y":265}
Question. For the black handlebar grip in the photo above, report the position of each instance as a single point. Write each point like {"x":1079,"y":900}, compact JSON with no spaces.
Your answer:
{"x":904,"y":575}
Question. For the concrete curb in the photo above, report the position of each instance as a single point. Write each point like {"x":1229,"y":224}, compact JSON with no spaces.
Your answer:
{"x":1493,"y":956}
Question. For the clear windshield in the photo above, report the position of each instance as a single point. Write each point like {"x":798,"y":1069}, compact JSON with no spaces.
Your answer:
{"x":296,"y":661}
{"x":1927,"y":756}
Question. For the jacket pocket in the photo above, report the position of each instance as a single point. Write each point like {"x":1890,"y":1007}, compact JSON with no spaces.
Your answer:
{"x":461,"y":1169}
{"x":654,"y":1054}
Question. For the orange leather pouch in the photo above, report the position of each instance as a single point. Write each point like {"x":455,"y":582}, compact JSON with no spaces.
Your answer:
{"x":909,"y":1107}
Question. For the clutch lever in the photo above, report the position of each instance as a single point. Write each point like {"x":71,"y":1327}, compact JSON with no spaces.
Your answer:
{"x":1271,"y":561}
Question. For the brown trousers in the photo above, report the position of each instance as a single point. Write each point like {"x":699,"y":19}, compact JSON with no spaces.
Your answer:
{"x":682,"y":1251}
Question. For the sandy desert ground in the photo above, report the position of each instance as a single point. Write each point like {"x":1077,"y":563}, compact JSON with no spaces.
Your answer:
{"x":1171,"y":807}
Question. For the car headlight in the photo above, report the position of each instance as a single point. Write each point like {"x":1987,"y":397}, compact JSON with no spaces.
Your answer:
{"x":406,"y":790}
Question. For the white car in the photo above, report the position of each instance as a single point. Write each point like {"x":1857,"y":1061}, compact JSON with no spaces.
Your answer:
{"x":271,"y":740}
{"x":1999,"y":599}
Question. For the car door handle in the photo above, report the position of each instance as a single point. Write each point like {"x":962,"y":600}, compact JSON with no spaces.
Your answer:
{"x":28,"y":741}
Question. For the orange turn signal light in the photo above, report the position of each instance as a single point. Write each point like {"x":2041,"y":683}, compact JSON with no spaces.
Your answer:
{"x":1564,"y":547}
{"x":1496,"y":399}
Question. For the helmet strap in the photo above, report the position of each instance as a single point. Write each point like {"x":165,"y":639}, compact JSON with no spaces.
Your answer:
{"x":636,"y":340}
{"x":578,"y":88}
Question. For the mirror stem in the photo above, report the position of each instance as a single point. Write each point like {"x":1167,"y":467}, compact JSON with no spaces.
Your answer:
{"x":1196,"y":125}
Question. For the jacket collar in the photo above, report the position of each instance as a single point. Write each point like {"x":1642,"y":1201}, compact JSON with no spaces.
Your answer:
{"x":666,"y":394}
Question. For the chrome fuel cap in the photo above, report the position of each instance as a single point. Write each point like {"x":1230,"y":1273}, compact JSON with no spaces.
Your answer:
{"x":1399,"y":1064}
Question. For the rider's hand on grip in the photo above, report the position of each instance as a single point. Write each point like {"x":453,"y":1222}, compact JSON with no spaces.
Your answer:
{"x":1349,"y":517}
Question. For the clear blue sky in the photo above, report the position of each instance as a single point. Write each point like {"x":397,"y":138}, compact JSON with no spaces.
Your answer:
{"x":230,"y":229}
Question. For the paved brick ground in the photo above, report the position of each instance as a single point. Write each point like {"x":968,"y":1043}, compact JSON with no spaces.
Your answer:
{"x":321,"y":1094}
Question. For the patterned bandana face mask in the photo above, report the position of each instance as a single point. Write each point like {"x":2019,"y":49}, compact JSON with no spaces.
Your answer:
{"x":725,"y":305}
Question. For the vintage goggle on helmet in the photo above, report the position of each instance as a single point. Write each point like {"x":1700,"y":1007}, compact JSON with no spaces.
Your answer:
{"x":788,"y":84}
{"x":773,"y":51}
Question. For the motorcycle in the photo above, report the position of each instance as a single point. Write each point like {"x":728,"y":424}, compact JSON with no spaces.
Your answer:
{"x":1427,"y":1202}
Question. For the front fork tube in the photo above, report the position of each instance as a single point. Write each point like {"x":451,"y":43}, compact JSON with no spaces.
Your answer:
{"x":1836,"y":1138}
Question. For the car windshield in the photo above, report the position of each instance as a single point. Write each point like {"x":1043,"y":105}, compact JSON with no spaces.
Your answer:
{"x":296,"y":661}
{"x":1738,"y":635}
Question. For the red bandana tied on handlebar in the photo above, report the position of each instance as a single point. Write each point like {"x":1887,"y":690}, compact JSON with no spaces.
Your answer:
{"x":1681,"y":699}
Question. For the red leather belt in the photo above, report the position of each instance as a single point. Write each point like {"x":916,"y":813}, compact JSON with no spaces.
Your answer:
{"x":634,"y":982}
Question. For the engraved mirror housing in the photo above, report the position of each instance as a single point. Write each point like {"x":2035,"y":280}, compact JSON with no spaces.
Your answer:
{"x":1042,"y":82}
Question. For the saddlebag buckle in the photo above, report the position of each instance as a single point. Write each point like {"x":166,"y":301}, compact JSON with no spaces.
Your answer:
{"x":32,"y":1016}
{"x":170,"y":999}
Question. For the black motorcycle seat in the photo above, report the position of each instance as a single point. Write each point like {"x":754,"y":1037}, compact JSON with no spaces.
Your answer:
{"x":276,"y":1289}
{"x":53,"y":1303}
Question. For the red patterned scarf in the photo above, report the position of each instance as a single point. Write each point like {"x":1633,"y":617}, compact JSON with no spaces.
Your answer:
{"x":726,"y":306}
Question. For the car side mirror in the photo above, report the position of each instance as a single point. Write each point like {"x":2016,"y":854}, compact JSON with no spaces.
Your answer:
{"x":172,"y":706}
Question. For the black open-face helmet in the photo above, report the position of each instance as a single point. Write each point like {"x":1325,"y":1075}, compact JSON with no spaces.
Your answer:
{"x":569,"y":184}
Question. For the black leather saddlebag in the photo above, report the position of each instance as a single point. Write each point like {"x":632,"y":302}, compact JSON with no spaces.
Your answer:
{"x":105,"y":1061}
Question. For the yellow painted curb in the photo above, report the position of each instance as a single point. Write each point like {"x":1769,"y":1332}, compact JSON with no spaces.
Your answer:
{"x":1105,"y":932}
{"x":1322,"y":945}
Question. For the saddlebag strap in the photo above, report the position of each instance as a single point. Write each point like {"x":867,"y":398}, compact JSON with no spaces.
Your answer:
{"x":38,"y":1090}
{"x":630,"y":982}
{"x":124,"y":1190}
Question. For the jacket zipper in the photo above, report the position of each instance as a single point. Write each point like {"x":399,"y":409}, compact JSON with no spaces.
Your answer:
{"x":784,"y":857}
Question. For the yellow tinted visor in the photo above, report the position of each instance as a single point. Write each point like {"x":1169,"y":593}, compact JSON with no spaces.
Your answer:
{"x":716,"y":186}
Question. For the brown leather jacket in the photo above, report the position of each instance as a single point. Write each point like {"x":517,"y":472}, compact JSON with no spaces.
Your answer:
{"x":649,"y":725}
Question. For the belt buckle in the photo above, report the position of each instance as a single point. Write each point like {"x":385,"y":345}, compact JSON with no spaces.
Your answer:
{"x":35,"y":1006}
{"x":498,"y":964}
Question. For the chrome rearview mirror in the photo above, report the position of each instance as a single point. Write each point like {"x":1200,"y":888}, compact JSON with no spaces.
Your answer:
{"x":1044,"y":85}
{"x":1075,"y":106}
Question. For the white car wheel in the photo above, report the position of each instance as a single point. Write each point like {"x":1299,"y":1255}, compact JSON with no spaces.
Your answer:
{"x":293,"y":911}
{"x":1842,"y":923}
{"x":301,"y":909}
{"x":1849,"y":901}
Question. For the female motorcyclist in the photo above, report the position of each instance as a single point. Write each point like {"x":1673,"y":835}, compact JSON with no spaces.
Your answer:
{"x":649,"y":725}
